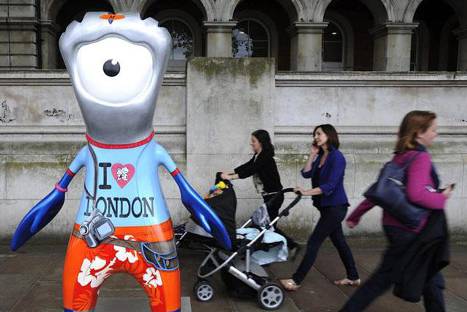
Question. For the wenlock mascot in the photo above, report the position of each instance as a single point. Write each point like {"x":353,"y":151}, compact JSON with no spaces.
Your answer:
{"x":116,"y":63}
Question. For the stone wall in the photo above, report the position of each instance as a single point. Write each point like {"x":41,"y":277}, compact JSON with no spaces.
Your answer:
{"x":366,"y":109}
{"x":206,"y":117}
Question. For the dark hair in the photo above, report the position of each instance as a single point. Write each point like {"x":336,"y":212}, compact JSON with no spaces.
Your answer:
{"x":265,"y":140}
{"x":413,"y":123}
{"x":330,"y":131}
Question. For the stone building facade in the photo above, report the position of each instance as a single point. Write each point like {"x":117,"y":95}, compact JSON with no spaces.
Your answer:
{"x":282,"y":65}
{"x":302,"y":35}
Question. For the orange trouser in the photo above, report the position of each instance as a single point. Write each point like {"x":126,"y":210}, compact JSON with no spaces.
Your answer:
{"x":87,"y":268}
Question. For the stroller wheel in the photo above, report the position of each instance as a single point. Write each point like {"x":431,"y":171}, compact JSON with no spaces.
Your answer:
{"x":270,"y":296}
{"x":203,"y":290}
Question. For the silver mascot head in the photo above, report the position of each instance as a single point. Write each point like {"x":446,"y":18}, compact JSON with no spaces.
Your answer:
{"x":116,"y":63}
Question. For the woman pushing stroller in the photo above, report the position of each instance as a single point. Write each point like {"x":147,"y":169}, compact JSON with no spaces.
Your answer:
{"x":266,"y":178}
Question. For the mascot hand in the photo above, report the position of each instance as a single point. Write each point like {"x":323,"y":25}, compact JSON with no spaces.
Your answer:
{"x":202,"y":213}
{"x":38,"y":217}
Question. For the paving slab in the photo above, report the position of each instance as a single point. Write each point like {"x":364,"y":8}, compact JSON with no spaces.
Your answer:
{"x":30,"y":281}
{"x":43,"y":296}
{"x":330,"y":265}
{"x":14,"y":288}
{"x":126,"y":304}
{"x":315,"y":294}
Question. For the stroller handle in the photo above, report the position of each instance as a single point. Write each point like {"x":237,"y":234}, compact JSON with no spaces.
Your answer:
{"x":285,"y":211}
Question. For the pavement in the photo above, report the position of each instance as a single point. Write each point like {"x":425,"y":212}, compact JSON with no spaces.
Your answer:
{"x":30,"y":280}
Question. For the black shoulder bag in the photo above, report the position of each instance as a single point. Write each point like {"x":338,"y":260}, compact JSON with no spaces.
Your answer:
{"x":389,"y":193}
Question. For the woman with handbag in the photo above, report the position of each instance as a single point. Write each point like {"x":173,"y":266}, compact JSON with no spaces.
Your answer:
{"x":326,"y":168}
{"x":417,"y":131}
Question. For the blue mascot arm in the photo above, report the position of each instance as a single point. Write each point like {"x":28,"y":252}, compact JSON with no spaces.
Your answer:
{"x":201,"y":211}
{"x":41,"y":214}
{"x":45,"y":210}
{"x":197,"y":206}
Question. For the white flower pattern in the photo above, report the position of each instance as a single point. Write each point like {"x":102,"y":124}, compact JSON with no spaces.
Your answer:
{"x":124,"y":255}
{"x":101,"y":272}
{"x":152,"y":278}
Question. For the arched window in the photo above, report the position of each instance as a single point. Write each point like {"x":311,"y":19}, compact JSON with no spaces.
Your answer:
{"x":333,"y":44}
{"x":347,"y":42}
{"x":434,"y":44}
{"x":182,"y":39}
{"x":250,"y":39}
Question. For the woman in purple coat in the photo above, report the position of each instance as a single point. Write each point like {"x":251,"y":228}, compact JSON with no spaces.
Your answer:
{"x":417,"y":131}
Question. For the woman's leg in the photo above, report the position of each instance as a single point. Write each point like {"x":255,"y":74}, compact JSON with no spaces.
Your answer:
{"x":338,"y":240}
{"x":433,"y":298}
{"x":380,"y":281}
{"x":325,"y":226}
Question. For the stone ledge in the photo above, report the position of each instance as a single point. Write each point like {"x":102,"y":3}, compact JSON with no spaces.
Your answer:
{"x":460,"y":130}
{"x":371,"y":79}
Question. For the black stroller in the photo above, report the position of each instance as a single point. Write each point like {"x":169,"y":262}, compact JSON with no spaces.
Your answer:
{"x":237,"y":269}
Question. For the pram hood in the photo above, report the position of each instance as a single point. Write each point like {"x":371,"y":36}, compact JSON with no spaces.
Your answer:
{"x":225,"y":206}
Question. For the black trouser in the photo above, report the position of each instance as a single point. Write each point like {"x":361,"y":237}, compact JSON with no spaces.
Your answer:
{"x":381,"y":280}
{"x":330,"y":224}
{"x":273,"y":211}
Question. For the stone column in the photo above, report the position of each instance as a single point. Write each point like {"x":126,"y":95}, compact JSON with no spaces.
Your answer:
{"x":392,"y":46}
{"x":219,"y":38}
{"x":306,"y":46}
{"x":127,"y":5}
{"x":462,"y":50}
{"x":49,"y":44}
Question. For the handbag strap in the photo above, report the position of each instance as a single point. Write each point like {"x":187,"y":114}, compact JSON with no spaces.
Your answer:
{"x":411,"y":159}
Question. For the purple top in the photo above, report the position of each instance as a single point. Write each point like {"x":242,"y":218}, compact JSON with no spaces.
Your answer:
{"x":420,"y":191}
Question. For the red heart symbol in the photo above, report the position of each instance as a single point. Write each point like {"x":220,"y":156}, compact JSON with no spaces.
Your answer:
{"x":123,"y":173}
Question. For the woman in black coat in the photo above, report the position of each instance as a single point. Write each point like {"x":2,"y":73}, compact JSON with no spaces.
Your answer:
{"x":263,"y":168}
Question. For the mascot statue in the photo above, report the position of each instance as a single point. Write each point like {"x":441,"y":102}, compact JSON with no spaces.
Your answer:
{"x":116,"y":63}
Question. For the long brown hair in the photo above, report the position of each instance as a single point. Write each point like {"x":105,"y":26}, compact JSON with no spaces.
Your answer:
{"x":265,"y":140}
{"x":331,"y":133}
{"x":414,"y":122}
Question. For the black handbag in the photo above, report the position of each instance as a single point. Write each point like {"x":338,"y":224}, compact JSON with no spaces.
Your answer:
{"x":388,"y":192}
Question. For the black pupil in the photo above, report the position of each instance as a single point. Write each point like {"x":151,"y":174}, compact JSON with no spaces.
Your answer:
{"x":111,"y":68}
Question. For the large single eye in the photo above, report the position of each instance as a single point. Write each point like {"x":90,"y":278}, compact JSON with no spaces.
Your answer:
{"x":111,"y":68}
{"x":114,"y":70}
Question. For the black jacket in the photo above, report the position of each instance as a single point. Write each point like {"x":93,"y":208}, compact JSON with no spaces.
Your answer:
{"x":426,"y":256}
{"x":266,"y":169}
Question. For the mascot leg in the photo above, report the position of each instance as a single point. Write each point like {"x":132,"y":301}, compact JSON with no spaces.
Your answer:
{"x":157,"y":269}
{"x":154,"y":265}
{"x":84,"y":272}
{"x":162,"y":287}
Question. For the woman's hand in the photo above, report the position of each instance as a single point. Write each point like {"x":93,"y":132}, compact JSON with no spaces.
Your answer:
{"x":225,"y":176}
{"x":351,"y":224}
{"x":299,"y":190}
{"x":447,"y":191}
{"x":314,"y":150}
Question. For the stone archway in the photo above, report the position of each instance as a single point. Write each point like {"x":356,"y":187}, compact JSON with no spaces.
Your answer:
{"x":206,"y":6}
{"x":382,"y":10}
{"x":295,"y":9}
